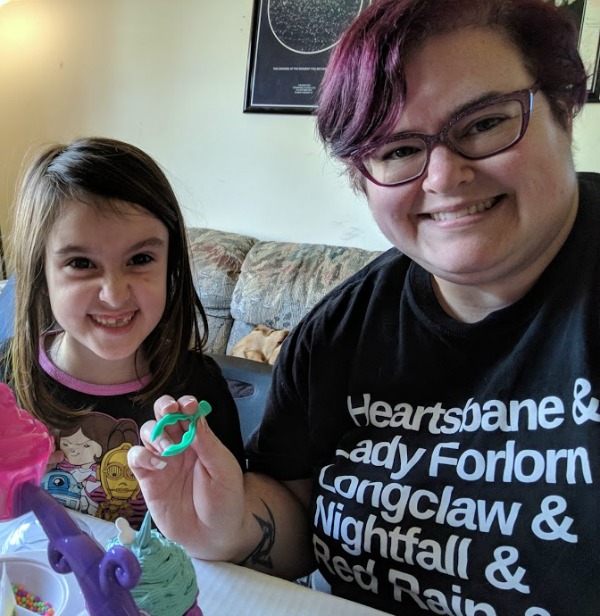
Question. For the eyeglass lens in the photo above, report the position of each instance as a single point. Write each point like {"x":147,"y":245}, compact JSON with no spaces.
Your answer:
{"x":478,"y":134}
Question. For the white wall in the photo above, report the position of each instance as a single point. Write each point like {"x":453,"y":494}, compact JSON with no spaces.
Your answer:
{"x":169,"y":76}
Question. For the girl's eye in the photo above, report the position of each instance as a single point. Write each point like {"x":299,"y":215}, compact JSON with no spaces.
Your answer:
{"x":80,"y":263}
{"x":141,"y":259}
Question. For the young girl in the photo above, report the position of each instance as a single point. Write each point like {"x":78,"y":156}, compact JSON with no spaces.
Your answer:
{"x":106,"y":317}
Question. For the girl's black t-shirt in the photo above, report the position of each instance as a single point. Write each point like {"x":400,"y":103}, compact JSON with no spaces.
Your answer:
{"x":94,"y":478}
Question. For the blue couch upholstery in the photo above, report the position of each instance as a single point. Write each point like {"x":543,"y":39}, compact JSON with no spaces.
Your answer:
{"x":7,"y":309}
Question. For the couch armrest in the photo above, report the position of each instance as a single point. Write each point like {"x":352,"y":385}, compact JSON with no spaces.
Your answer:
{"x":250,"y":407}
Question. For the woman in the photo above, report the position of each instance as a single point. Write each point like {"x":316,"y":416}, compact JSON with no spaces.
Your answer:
{"x":431,"y":435}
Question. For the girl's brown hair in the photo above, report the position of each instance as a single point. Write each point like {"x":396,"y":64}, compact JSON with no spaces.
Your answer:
{"x":99,"y":173}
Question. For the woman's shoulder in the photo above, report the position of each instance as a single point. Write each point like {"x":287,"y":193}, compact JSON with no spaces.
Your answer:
{"x":584,"y":234}
{"x":368,"y":298}
{"x":378,"y":268}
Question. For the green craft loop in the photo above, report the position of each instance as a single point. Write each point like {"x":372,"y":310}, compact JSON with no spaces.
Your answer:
{"x":204,"y":408}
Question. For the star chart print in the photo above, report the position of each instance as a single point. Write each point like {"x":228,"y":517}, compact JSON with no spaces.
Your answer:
{"x":290,"y":44}
{"x":586,"y":15}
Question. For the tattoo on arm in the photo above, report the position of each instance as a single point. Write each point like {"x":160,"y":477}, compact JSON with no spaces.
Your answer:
{"x":261,"y":554}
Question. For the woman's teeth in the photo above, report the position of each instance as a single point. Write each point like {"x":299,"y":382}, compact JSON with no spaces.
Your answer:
{"x":472,"y":209}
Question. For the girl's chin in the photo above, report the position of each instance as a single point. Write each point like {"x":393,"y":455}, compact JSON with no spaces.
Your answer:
{"x":112,"y":355}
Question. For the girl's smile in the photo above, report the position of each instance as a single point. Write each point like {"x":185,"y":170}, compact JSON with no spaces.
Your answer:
{"x":116,"y":323}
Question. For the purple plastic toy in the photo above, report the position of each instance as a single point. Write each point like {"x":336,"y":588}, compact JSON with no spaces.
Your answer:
{"x":104,"y":577}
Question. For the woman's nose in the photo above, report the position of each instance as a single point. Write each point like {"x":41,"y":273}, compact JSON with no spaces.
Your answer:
{"x":446,"y":170}
{"x":114,"y":290}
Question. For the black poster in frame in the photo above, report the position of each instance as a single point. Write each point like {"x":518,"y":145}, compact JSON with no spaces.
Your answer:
{"x":290,"y":43}
{"x":586,"y":14}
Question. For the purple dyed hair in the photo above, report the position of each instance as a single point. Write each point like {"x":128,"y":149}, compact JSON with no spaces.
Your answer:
{"x":363,"y":89}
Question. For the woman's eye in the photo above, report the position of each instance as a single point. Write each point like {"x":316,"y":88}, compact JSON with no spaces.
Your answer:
{"x":484,"y":125}
{"x":80,"y":263}
{"x":398,"y":151}
{"x":141,"y":259}
{"x":403,"y":152}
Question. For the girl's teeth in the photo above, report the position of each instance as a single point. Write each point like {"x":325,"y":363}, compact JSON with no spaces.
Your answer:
{"x":113,"y":322}
{"x":472,"y":209}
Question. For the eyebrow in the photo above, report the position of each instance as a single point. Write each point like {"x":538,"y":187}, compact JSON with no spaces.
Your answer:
{"x":152,"y":242}
{"x":483,"y":98}
{"x":488,"y":96}
{"x":67,"y":439}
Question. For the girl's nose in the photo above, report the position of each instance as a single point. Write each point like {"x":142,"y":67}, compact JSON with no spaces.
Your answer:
{"x":114,"y":290}
{"x":446,"y":170}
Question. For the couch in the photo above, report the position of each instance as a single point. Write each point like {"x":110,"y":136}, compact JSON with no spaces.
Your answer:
{"x":244,"y":281}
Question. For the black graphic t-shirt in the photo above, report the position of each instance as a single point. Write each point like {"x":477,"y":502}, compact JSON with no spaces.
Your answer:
{"x":456,"y":466}
{"x":94,"y":477}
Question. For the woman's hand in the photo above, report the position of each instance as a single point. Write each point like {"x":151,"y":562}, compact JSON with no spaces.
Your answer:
{"x":196,"y":498}
{"x":201,"y":499}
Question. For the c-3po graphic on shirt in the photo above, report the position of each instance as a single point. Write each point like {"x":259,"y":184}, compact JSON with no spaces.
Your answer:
{"x":94,"y":477}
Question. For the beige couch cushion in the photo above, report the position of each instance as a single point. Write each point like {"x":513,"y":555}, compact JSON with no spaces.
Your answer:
{"x":281,"y":281}
{"x":217,"y":258}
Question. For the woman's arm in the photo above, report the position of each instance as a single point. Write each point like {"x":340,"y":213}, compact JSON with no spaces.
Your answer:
{"x":277,"y":526}
{"x":202,"y":500}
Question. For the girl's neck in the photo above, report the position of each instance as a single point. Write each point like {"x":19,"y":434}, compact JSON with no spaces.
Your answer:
{"x":83,"y":365}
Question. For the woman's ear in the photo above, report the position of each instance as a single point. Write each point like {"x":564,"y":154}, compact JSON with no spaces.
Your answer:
{"x":565,"y":116}
{"x":568,"y":123}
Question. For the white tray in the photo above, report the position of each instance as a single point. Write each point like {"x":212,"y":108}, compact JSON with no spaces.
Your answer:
{"x":31,"y":569}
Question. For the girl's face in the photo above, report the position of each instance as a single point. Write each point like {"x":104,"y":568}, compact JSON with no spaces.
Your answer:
{"x":528,"y":191}
{"x":106,"y":275}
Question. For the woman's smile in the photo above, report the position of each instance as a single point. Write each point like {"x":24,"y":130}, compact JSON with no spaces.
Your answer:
{"x":470,"y":210}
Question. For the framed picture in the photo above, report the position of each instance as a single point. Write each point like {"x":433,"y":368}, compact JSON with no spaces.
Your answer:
{"x":587,"y":15}
{"x":290,"y":43}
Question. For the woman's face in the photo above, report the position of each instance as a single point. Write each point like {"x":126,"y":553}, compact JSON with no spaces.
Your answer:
{"x":531,"y":186}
